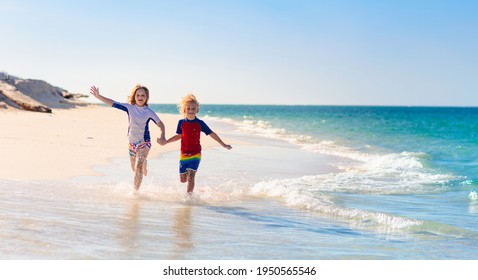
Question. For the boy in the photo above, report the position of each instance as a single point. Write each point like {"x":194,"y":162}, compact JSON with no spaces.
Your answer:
{"x":189,"y":131}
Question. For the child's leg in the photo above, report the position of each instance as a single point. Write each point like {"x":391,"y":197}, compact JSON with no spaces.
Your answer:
{"x":188,"y":165}
{"x":145,"y":168}
{"x":191,"y":177}
{"x":133,"y":162}
{"x":141,"y":155}
{"x":183,"y":177}
{"x":132,"y":155}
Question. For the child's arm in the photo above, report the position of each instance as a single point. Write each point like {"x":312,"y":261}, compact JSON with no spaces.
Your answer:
{"x":173,"y":139}
{"x":96,"y":93}
{"x":216,"y":137}
{"x":161,"y":140}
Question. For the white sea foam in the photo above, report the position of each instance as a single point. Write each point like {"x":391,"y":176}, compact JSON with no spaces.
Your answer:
{"x":262,"y":128}
{"x":473,"y":195}
{"x":384,"y":173}
{"x":304,"y":193}
{"x":368,"y":174}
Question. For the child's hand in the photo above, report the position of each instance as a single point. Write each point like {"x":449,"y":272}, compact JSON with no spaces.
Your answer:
{"x":95,"y":91}
{"x":227,"y":146}
{"x":161,"y":141}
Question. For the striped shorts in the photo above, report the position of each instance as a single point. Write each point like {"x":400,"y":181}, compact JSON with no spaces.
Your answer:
{"x":189,"y":162}
{"x":133,"y":147}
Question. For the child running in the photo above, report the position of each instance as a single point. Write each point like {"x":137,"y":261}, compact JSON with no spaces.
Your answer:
{"x":139,"y":115}
{"x":189,"y":131}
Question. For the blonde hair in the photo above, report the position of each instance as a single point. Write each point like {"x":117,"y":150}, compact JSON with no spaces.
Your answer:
{"x":131,"y":97}
{"x":184,"y":102}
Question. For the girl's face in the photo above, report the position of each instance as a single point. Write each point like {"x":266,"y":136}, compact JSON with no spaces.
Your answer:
{"x":191,"y":110}
{"x":140,"y":97}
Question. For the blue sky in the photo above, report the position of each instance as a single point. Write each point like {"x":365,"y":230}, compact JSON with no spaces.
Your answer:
{"x":394,"y":52}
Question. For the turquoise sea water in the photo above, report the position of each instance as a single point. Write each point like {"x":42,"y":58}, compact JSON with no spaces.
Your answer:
{"x":301,"y":182}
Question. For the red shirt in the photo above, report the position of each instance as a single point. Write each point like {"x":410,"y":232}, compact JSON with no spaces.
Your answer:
{"x":190,"y":135}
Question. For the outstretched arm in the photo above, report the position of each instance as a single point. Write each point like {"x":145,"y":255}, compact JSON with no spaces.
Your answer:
{"x":96,"y":93}
{"x":218,"y":139}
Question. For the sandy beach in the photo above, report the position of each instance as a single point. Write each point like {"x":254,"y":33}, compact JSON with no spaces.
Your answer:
{"x":69,"y":142}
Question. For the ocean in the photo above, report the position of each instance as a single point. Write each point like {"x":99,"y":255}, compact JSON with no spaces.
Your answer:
{"x":305,"y":182}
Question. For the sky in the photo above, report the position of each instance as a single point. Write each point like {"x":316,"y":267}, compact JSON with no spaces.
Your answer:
{"x":337,"y":52}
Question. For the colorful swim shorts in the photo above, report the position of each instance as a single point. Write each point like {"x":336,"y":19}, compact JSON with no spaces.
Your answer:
{"x":190,"y":162}
{"x":133,"y":147}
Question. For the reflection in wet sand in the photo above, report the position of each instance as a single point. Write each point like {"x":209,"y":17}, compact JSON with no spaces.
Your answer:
{"x":182,"y":230}
{"x":130,"y":234}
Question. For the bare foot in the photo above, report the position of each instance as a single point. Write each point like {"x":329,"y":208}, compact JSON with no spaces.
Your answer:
{"x":134,"y":194}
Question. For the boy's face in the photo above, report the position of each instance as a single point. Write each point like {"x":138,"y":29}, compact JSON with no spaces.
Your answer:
{"x":191,"y":110}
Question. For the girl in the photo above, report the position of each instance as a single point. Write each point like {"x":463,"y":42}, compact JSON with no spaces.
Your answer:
{"x":139,"y":115}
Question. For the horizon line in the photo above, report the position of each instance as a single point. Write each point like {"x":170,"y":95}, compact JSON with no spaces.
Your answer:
{"x":319,"y":105}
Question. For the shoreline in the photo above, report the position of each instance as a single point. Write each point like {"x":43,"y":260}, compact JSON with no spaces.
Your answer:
{"x":71,"y":142}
